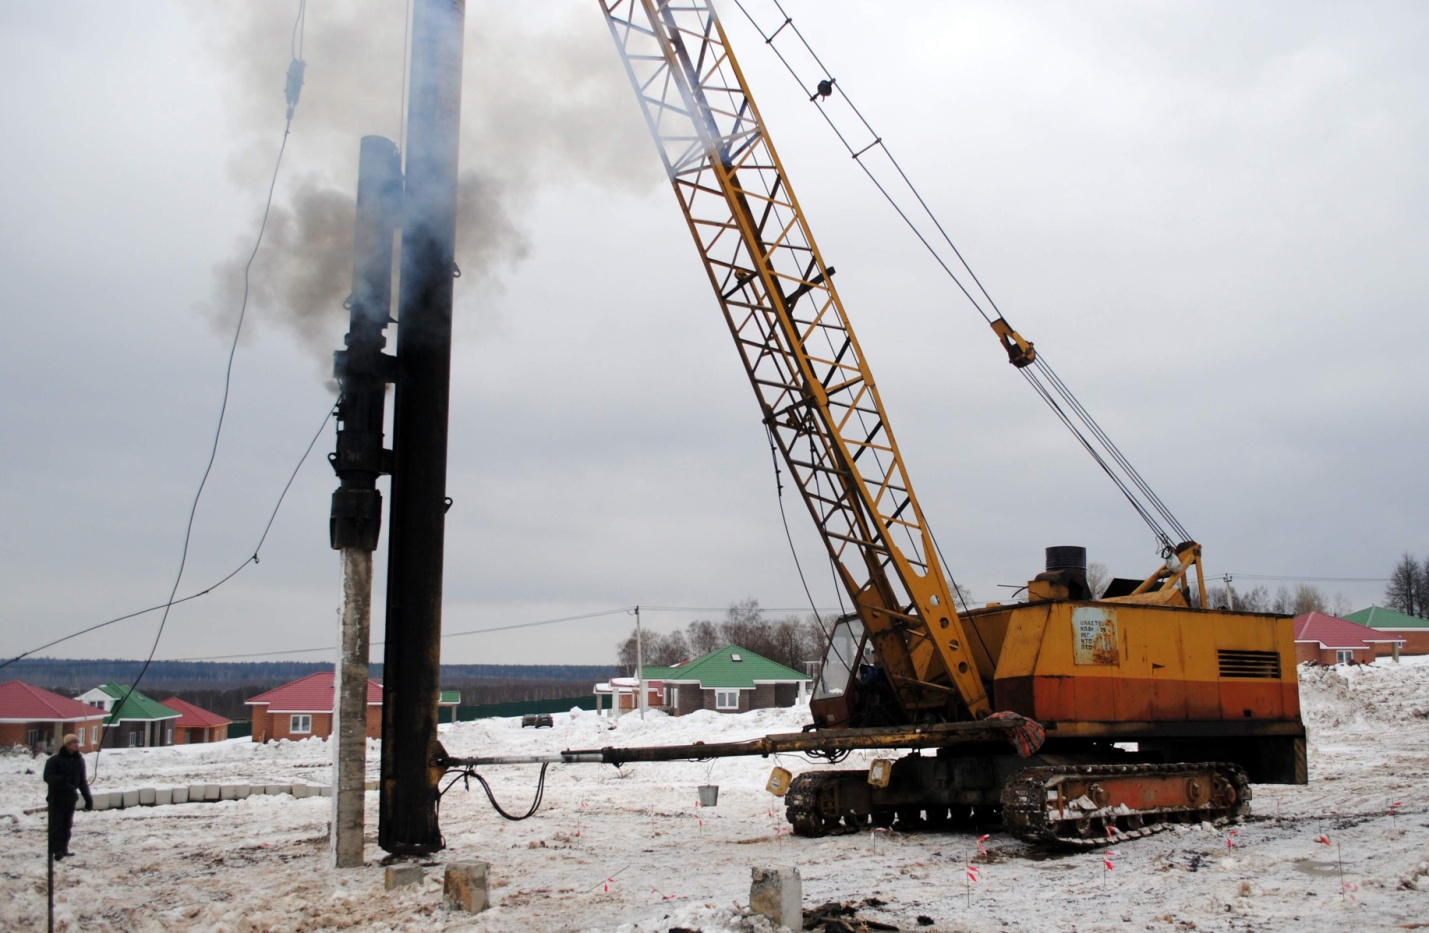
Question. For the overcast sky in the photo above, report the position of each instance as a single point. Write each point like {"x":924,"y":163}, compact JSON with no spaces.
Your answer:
{"x":1210,"y":217}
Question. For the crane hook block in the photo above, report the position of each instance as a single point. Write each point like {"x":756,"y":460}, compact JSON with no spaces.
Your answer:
{"x":1019,"y":351}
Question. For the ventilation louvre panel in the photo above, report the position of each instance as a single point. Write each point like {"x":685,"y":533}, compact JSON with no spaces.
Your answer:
{"x":1259,"y":664}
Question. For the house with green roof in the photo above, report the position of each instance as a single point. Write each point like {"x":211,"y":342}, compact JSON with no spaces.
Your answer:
{"x":1414,"y":630}
{"x":729,"y":680}
{"x":137,"y":722}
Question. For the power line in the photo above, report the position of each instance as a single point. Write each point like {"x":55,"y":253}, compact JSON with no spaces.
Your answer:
{"x":1305,"y":579}
{"x":623,"y":610}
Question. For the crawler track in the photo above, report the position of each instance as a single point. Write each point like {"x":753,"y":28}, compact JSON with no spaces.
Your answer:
{"x":1083,"y":806}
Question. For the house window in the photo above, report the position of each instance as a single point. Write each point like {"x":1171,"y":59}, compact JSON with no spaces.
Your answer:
{"x":1344,"y":656}
{"x":726,"y":699}
{"x":134,"y":738}
{"x":32,"y":737}
{"x":94,"y":735}
{"x":171,"y":736}
{"x":298,"y":725}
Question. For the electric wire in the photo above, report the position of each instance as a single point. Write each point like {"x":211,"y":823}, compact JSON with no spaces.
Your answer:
{"x":465,"y":775}
{"x":1153,"y":503}
{"x":248,"y":561}
{"x":295,"y":68}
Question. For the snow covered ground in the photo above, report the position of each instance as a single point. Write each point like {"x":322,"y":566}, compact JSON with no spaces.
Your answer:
{"x":628,"y":850}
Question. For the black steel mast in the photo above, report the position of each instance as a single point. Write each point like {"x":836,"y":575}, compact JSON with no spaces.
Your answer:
{"x":411,"y":662}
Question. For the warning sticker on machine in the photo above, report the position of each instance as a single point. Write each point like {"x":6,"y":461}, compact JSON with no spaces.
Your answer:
{"x":1094,"y":637}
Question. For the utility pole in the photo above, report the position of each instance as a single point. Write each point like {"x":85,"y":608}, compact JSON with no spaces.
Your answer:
{"x":1230,"y":593}
{"x":412,"y":759}
{"x":639,"y":662}
{"x":363,"y":372}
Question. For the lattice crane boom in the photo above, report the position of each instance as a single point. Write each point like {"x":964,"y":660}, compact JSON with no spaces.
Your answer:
{"x":814,"y":387}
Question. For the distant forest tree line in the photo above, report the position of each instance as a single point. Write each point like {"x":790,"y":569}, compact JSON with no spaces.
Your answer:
{"x":223,"y":687}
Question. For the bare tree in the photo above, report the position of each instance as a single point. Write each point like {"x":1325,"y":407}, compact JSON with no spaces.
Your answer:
{"x":1099,"y":577}
{"x":1408,"y":587}
{"x":1281,"y":603}
{"x":703,"y":637}
{"x":1256,"y":599}
{"x":658,"y":650}
{"x":1308,"y":598}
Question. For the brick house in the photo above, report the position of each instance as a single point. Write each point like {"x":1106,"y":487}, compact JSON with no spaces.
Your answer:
{"x":1326,"y":639}
{"x":140,"y":722}
{"x":729,"y":680}
{"x":38,"y":719}
{"x":195,"y":724}
{"x":304,"y":708}
{"x":624,"y":693}
{"x":1414,"y":630}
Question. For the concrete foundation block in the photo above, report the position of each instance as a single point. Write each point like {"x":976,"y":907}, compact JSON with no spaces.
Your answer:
{"x":180,"y":794}
{"x":273,"y":790}
{"x":196,"y":793}
{"x":323,"y":791}
{"x":777,"y":893}
{"x":464,"y":887}
{"x":147,"y":796}
{"x":399,"y":876}
{"x":101,"y":801}
{"x":163,"y":796}
{"x":116,"y":799}
{"x":212,"y":792}
{"x":131,"y":798}
{"x":300,"y":790}
{"x":233,"y":792}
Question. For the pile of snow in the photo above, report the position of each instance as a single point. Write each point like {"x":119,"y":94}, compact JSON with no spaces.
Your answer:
{"x":1385,"y":693}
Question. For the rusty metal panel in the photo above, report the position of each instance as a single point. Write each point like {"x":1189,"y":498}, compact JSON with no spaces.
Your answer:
{"x":1095,"y":637}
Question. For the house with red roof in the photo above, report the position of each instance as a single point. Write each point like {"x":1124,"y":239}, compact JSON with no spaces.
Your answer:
{"x":305,"y":708}
{"x":39,"y":719}
{"x":195,"y":724}
{"x":1327,"y":639}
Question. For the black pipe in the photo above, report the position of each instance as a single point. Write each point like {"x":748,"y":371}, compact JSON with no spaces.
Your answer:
{"x":407,"y":821}
{"x":363,"y":370}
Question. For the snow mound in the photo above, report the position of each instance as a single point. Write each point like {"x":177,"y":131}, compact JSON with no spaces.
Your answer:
{"x":1383,"y":693}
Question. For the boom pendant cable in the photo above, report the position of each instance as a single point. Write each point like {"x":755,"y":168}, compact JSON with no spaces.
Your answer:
{"x":1044,"y":381}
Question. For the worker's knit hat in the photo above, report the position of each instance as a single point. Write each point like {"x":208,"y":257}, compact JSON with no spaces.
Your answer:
{"x":70,"y":738}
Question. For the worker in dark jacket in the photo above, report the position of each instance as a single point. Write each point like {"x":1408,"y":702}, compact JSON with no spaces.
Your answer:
{"x":64,"y":774}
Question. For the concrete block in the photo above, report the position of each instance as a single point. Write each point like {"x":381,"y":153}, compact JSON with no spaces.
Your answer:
{"x":399,"y":876}
{"x":212,"y":792}
{"x":777,"y":893}
{"x":233,"y":792}
{"x":196,"y":793}
{"x":163,"y":796}
{"x":324,"y":791}
{"x":131,"y":798}
{"x":147,"y":796}
{"x":116,"y":799}
{"x":101,"y":802}
{"x":273,"y":790}
{"x":464,"y":887}
{"x":180,"y":794}
{"x":300,"y":790}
